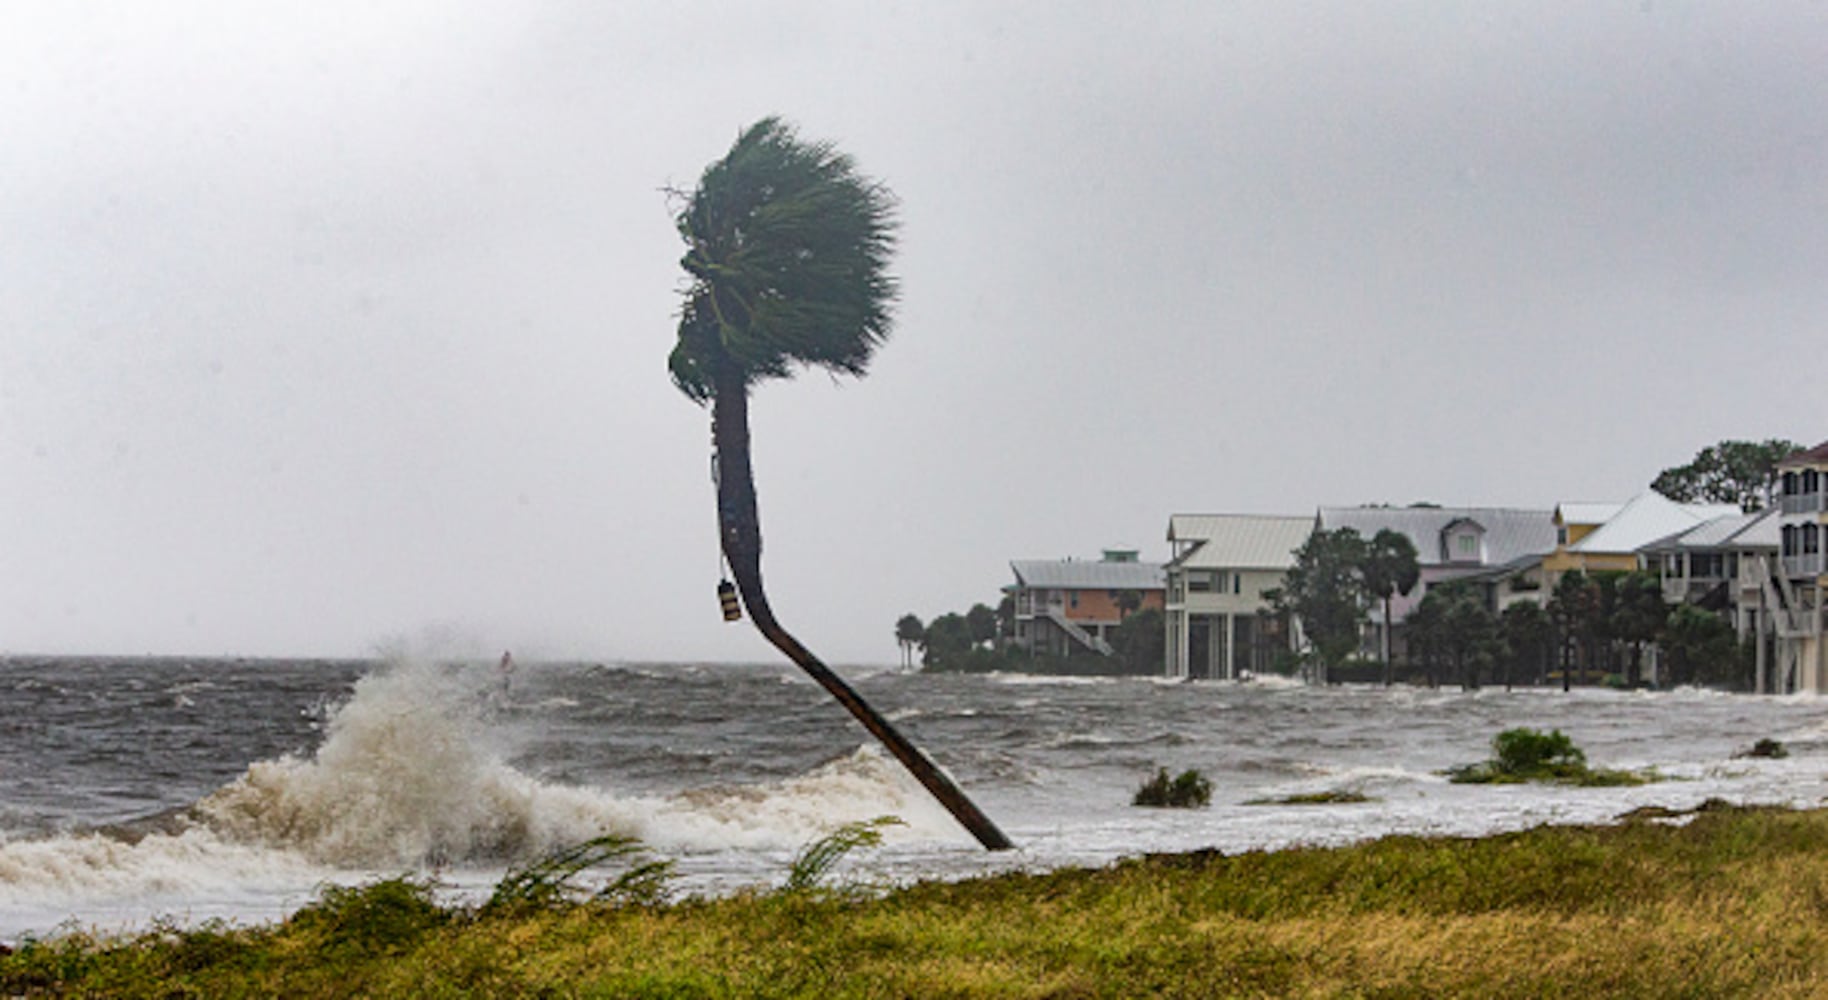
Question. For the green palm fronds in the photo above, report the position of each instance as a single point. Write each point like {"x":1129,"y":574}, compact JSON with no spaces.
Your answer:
{"x":788,"y":250}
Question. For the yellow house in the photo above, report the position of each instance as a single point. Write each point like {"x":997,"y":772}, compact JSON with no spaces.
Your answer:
{"x":1573,"y":523}
{"x":1599,"y":538}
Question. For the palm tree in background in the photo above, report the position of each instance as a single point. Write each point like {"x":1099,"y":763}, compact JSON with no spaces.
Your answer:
{"x":909,"y":632}
{"x":787,"y":247}
{"x":1391,"y":567}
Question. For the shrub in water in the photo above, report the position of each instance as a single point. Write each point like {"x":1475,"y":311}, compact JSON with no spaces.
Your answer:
{"x":1529,"y":753}
{"x":1767,"y":747}
{"x":1532,"y":755}
{"x":1188,"y":790}
{"x":1340,"y":796}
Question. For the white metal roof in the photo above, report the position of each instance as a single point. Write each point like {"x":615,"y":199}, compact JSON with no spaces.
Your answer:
{"x":1239,"y":541}
{"x":1757,"y":530}
{"x":1510,"y":533}
{"x":1588,"y":513}
{"x":1088,"y":574}
{"x":1646,"y":518}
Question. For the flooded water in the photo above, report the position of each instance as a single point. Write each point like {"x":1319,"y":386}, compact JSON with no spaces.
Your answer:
{"x":137,"y":789}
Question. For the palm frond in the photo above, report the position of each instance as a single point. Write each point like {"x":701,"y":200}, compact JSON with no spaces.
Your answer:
{"x":788,"y":249}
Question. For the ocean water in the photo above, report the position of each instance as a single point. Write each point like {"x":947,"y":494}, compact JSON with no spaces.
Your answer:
{"x":135,"y":790}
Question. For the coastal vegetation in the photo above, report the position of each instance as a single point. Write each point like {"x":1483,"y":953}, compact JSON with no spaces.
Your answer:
{"x":1524,"y":754}
{"x":1187,"y":790}
{"x":1740,"y":472}
{"x":787,"y":253}
{"x":979,"y":641}
{"x":1331,"y":797}
{"x":1767,"y":748}
{"x":1728,"y":904}
{"x":1327,"y":590}
{"x":1595,"y":626}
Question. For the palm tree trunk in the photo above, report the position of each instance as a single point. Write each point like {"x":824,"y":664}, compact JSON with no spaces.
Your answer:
{"x":742,"y":545}
{"x":1389,"y":669}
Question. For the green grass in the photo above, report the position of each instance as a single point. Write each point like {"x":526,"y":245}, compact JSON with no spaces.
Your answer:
{"x":1732,"y":904}
{"x":1340,"y":796}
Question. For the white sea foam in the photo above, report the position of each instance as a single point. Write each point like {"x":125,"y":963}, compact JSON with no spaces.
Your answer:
{"x":405,"y":775}
{"x":88,"y":864}
{"x":1280,"y":682}
{"x":409,"y":777}
{"x":408,"y":774}
{"x":860,"y":786}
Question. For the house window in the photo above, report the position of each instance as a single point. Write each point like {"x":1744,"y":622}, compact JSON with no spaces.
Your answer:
{"x":1199,"y":583}
{"x":1561,"y":534}
{"x":1466,"y":546}
{"x":1811,"y":540}
{"x":1237,"y":583}
{"x":1789,"y":484}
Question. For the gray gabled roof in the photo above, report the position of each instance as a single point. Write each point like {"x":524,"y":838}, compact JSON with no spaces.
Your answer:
{"x":1509,"y":533}
{"x":1238,"y":541}
{"x":1088,"y":574}
{"x":1757,"y":530}
{"x":1644,"y":519}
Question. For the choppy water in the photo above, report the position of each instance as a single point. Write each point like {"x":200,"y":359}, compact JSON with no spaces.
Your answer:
{"x":135,"y":789}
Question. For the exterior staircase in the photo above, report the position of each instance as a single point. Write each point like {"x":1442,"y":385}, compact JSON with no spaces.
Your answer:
{"x":1079,"y":635}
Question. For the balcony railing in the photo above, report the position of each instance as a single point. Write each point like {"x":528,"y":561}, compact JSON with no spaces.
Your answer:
{"x":1802,"y":503}
{"x":1806,"y":564}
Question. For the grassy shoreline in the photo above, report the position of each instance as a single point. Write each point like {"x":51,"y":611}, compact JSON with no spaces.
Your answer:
{"x":1731,"y":902}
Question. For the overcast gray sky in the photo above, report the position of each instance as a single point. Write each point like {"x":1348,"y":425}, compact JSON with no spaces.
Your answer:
{"x":331,"y":323}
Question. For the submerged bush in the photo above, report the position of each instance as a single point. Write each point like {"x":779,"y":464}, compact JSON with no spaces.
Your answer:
{"x":1188,"y":790}
{"x":1525,"y":754}
{"x":1338,"y":796}
{"x":1768,"y":748}
{"x":1532,"y":753}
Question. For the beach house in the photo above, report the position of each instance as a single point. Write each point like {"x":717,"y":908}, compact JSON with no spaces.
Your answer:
{"x":1499,"y":549}
{"x":1599,"y":538}
{"x":1800,"y":572}
{"x":1065,"y":607}
{"x":1215,"y":616}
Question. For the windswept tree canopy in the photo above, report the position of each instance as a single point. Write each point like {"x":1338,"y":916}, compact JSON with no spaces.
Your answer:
{"x":1391,"y":565}
{"x":1738,"y":472}
{"x":1325,"y":589}
{"x":788,"y":250}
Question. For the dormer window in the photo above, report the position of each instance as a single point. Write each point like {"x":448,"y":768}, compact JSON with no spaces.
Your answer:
{"x":1463,"y":541}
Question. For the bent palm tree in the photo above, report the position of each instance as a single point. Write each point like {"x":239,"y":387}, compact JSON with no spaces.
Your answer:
{"x":787,"y":248}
